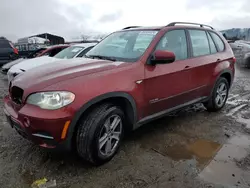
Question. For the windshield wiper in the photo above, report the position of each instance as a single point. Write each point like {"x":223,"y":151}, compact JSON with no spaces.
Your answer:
{"x":101,"y":57}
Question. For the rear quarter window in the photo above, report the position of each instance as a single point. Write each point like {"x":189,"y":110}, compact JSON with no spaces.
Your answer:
{"x":218,"y":41}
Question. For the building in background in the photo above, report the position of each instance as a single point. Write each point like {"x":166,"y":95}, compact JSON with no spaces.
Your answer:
{"x":52,"y":38}
{"x":29,"y":44}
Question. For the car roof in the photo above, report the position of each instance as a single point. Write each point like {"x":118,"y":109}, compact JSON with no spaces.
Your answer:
{"x":85,"y":45}
{"x":177,"y":25}
{"x":166,"y":27}
{"x":58,"y":46}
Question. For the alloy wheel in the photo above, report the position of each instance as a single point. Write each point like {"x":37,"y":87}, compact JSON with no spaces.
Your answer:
{"x":221,"y":94}
{"x":110,"y":135}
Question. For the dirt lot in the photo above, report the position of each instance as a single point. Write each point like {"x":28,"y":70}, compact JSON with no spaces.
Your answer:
{"x":192,"y":148}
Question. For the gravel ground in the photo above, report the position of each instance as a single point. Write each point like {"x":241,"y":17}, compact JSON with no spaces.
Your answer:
{"x":192,"y":148}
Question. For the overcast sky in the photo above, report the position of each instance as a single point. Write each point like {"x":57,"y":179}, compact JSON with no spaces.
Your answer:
{"x":71,"y":18}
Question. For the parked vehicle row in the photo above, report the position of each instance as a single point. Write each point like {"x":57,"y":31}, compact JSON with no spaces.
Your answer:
{"x":37,"y":53}
{"x":131,"y":77}
{"x":48,"y":55}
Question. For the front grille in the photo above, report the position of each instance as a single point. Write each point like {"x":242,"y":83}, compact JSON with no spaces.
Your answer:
{"x":16,"y":94}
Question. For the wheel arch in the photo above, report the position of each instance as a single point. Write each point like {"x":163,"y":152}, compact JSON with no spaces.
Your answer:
{"x":228,"y":74}
{"x":122,"y":99}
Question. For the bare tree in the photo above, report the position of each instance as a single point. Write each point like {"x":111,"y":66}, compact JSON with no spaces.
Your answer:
{"x":100,"y":36}
{"x":85,"y":37}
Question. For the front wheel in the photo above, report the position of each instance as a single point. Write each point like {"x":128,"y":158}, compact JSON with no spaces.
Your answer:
{"x":99,"y":135}
{"x":219,"y":96}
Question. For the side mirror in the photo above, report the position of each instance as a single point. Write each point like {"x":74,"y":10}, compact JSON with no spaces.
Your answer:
{"x":162,"y":57}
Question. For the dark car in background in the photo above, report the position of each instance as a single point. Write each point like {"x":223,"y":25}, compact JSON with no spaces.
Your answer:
{"x":7,"y":51}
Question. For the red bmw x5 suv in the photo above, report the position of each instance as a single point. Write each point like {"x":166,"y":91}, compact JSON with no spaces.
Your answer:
{"x":133,"y":76}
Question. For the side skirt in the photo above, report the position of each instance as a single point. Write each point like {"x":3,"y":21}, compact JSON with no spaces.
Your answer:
{"x":167,"y":111}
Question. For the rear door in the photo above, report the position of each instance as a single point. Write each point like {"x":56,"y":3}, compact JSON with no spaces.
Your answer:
{"x":167,"y":85}
{"x":203,"y":62}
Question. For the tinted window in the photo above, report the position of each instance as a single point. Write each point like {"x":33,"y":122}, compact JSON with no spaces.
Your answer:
{"x":174,"y":41}
{"x":4,"y":44}
{"x":54,"y":52}
{"x":212,"y":45}
{"x":199,"y":43}
{"x":218,"y":41}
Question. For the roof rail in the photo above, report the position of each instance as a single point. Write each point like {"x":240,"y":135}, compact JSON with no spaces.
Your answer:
{"x":129,"y":27}
{"x":189,"y":23}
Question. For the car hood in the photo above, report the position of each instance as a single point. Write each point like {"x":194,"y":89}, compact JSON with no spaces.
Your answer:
{"x":10,"y":64}
{"x":35,"y":62}
{"x":46,"y":75}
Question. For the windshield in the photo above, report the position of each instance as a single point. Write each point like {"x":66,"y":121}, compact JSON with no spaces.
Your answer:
{"x":126,"y":46}
{"x":69,"y":52}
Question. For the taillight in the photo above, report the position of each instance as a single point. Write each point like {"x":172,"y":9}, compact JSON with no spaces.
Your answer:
{"x":13,"y":47}
{"x":15,"y":50}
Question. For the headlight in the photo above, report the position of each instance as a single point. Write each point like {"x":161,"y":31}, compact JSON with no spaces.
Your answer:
{"x":51,"y":100}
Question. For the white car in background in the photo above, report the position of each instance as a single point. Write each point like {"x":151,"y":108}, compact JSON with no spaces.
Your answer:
{"x":74,"y":51}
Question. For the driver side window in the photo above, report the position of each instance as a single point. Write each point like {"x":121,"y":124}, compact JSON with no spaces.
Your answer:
{"x":174,"y":41}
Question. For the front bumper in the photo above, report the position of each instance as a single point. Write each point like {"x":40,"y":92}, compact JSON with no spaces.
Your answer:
{"x":37,"y":125}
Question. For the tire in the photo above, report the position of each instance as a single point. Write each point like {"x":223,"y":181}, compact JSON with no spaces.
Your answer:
{"x":94,"y":128}
{"x":213,"y":104}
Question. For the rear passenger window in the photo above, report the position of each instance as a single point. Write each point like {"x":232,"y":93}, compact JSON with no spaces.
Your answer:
{"x":218,"y":41}
{"x":199,"y":43}
{"x":174,"y":41}
{"x":212,"y":45}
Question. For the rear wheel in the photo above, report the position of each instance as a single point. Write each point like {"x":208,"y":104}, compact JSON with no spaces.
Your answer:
{"x":99,"y":135}
{"x":219,"y":95}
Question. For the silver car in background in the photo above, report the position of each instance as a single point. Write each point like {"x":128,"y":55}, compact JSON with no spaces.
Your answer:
{"x":241,"y":51}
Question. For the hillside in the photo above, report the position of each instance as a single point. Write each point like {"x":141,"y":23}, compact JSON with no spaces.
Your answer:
{"x":237,"y":33}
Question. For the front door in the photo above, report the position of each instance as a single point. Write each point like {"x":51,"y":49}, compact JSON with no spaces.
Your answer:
{"x":167,"y":85}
